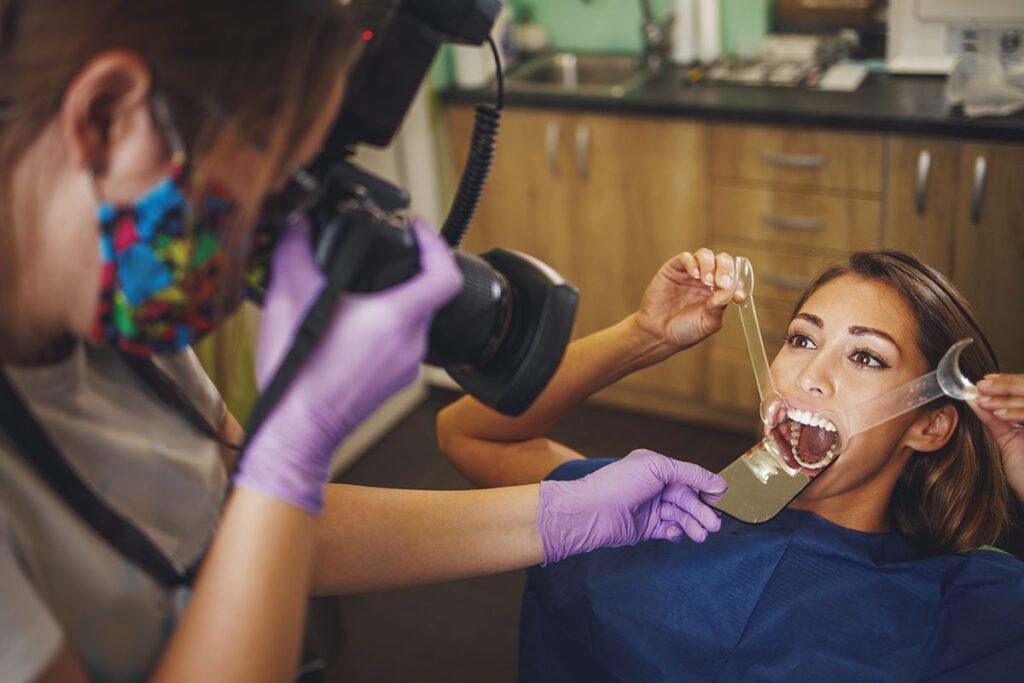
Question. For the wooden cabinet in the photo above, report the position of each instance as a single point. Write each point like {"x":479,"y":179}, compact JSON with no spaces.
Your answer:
{"x":988,"y":245}
{"x":606,"y":199}
{"x":921,"y":198}
{"x":959,"y":206}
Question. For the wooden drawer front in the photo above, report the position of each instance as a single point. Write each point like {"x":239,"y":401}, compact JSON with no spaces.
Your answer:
{"x":793,"y":219}
{"x":841,"y":161}
{"x":779,"y":277}
{"x":731,"y":382}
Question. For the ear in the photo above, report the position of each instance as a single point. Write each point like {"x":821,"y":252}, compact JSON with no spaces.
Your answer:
{"x":932,"y":429}
{"x":105,"y":112}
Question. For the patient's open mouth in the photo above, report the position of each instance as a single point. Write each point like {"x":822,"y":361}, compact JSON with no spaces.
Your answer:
{"x":812,"y":438}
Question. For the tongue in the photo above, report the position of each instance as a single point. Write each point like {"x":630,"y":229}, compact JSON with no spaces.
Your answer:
{"x":814,"y":442}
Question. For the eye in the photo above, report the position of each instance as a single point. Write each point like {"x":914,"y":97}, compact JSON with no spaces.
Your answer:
{"x":867,"y":359}
{"x":800,"y":341}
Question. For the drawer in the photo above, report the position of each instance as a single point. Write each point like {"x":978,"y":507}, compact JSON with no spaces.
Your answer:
{"x":731,"y":382}
{"x":795,"y":219}
{"x":780,"y":277}
{"x":812,"y":158}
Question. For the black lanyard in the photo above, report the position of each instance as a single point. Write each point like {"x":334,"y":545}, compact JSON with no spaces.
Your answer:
{"x":40,"y":453}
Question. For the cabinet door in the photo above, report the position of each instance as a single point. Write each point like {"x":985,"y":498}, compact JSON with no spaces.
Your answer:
{"x":524,"y":205}
{"x":637,"y":197}
{"x":989,"y":244}
{"x":921,"y":198}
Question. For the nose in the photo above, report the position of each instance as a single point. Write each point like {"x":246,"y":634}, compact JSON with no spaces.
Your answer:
{"x":815,"y":377}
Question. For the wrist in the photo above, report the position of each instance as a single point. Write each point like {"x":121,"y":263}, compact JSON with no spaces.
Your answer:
{"x":646,"y":347}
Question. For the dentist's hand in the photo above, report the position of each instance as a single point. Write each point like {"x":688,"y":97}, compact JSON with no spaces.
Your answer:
{"x":645,"y":496}
{"x":372,"y":349}
{"x":1001,"y":408}
{"x":677,"y":309}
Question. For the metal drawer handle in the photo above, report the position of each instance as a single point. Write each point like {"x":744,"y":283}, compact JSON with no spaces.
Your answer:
{"x":792,"y":222}
{"x":924,"y":167}
{"x":785,"y":281}
{"x":794,"y":160}
{"x":583,"y":151}
{"x":980,"y":170}
{"x":554,"y":132}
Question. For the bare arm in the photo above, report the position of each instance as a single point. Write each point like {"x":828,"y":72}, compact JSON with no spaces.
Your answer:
{"x":491,"y":449}
{"x":676,"y":312}
{"x":371,"y":538}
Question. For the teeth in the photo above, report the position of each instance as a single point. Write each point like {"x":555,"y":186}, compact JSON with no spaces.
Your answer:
{"x":812,"y":419}
{"x":800,"y":417}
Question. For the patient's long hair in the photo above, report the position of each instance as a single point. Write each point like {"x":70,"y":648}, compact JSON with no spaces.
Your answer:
{"x":955,"y":499}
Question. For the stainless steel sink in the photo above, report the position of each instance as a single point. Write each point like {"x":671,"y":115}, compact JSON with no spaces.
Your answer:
{"x":583,"y":74}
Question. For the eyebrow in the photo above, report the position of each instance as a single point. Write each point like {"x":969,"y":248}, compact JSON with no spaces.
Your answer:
{"x":855,"y":330}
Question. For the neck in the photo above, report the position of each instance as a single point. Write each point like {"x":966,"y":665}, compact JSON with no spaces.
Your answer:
{"x":864,"y":507}
{"x":49,"y":354}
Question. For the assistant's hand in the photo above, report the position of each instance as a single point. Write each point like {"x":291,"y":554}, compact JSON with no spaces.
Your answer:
{"x":1001,"y":409}
{"x":372,"y":349}
{"x":678,"y":308}
{"x":645,"y":496}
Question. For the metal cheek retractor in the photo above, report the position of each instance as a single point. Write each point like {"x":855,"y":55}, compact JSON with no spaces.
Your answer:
{"x":757,"y":490}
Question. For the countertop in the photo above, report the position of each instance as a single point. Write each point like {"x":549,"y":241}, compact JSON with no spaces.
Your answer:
{"x":898,"y":104}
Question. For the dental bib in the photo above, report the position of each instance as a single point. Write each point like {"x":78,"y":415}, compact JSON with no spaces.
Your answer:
{"x":800,"y":444}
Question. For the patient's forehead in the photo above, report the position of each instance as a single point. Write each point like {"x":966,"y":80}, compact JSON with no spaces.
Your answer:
{"x":853,"y":300}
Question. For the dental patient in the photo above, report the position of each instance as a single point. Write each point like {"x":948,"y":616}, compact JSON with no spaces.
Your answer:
{"x":878,"y":570}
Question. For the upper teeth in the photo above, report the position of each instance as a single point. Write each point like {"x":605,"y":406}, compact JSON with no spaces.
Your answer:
{"x":808,"y":418}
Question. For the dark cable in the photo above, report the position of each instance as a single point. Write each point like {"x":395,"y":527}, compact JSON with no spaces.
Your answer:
{"x":478,"y":163}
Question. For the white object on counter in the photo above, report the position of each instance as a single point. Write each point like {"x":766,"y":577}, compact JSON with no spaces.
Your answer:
{"x":709,"y":23}
{"x":684,"y":32}
{"x":843,"y":77}
{"x":474,"y":65}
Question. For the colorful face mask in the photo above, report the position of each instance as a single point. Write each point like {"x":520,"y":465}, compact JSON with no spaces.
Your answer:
{"x":162,"y":258}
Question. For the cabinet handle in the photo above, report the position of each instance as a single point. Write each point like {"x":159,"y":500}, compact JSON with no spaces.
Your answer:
{"x":792,"y":222}
{"x":583,"y":151}
{"x":554,"y":132}
{"x":980,"y":170}
{"x":794,"y":160}
{"x":924,"y":167}
{"x":785,"y":281}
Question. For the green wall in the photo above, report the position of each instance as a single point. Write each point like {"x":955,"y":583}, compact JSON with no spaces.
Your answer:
{"x":592,"y":25}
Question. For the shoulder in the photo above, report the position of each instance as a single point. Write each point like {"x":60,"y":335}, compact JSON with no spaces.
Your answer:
{"x":577,"y":469}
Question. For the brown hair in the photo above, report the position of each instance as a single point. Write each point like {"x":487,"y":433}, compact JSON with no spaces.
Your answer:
{"x":955,"y":499}
{"x":261,"y":66}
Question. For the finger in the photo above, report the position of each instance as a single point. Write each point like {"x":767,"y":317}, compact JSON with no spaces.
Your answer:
{"x":694,"y":476}
{"x":1003,"y":401}
{"x":1012,"y":415}
{"x":1002,"y":385}
{"x":724,"y":270}
{"x":440,"y":278}
{"x":674,"y":530}
{"x":689,"y":262}
{"x":687,"y":500}
{"x":706,"y":261}
{"x":293,"y":257}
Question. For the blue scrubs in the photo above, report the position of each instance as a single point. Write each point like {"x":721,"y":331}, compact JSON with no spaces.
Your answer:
{"x":795,"y":599}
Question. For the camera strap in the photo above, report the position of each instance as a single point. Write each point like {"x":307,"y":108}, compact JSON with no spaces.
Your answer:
{"x":38,"y":451}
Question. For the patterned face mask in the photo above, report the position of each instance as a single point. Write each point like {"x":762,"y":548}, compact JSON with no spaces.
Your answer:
{"x":162,"y":257}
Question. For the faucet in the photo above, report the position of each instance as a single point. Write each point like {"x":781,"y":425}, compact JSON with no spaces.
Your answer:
{"x":656,"y":36}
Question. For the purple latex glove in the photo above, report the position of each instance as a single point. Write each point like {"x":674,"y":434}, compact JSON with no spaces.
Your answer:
{"x":373,"y":348}
{"x":643,"y":497}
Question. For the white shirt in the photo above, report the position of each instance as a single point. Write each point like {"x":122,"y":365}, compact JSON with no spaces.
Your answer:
{"x":59,"y":581}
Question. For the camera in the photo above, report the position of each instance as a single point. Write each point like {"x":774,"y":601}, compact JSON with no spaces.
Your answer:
{"x":504,"y":334}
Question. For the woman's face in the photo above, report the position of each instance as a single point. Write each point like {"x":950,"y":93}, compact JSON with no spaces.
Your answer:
{"x":854,"y":339}
{"x":55,"y":219}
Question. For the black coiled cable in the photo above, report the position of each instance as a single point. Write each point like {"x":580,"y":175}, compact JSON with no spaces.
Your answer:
{"x":478,"y":163}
